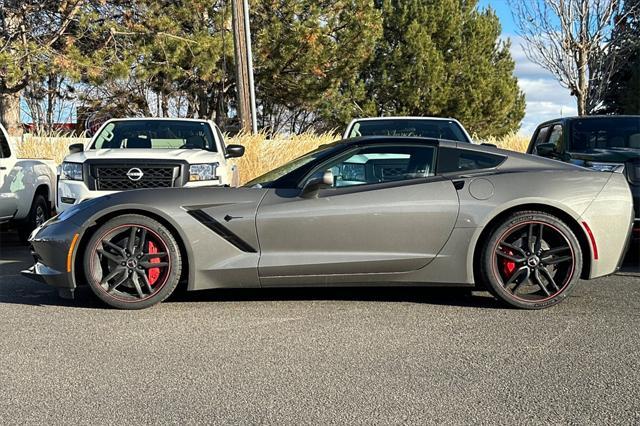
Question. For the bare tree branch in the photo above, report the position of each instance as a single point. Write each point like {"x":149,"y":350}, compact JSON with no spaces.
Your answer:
{"x":575,"y":40}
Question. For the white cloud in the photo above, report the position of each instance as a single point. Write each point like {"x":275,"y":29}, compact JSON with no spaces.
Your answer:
{"x":546,"y":98}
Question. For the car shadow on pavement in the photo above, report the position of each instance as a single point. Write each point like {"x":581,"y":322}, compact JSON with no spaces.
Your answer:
{"x":631,"y":265}
{"x":433,"y":296}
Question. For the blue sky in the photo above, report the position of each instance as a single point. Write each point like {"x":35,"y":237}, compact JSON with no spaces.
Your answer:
{"x":546,"y":99}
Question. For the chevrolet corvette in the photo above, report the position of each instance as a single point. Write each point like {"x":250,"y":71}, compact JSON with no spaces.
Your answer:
{"x":375,"y":211}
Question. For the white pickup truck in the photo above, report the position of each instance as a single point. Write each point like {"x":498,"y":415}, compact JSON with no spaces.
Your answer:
{"x":137,"y":153}
{"x":27,"y":188}
{"x":425,"y":127}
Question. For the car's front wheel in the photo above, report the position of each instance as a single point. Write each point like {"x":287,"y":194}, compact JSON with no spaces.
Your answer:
{"x":132,"y":262}
{"x":532,"y":260}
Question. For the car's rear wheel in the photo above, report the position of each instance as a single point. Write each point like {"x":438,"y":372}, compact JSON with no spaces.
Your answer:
{"x":532,"y":260}
{"x":132,"y":262}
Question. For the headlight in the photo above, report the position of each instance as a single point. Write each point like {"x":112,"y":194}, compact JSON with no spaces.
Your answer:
{"x":199,"y":172}
{"x":71,"y":171}
{"x":604,"y":167}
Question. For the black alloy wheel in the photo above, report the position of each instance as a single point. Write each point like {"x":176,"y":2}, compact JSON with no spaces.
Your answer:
{"x":532,"y":260}
{"x":132,"y":262}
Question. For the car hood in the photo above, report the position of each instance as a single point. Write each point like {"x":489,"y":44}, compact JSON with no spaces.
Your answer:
{"x":170,"y":203}
{"x":608,"y":155}
{"x":192,"y":156}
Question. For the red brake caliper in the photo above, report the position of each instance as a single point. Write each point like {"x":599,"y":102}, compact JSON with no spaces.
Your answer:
{"x":508,"y":266}
{"x":153,"y":273}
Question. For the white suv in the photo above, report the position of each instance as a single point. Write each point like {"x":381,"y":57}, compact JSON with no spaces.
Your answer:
{"x":145,"y":153}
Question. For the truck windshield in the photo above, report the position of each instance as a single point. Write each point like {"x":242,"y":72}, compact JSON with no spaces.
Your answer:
{"x":167,"y":134}
{"x":436,"y":129}
{"x":605,"y":133}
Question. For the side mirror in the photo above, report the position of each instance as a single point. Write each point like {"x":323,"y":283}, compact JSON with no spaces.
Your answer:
{"x":546,"y":150}
{"x":234,"y":151}
{"x":75,"y":148}
{"x":314,"y":185}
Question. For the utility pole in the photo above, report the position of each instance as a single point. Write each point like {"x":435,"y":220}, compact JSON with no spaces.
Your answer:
{"x":252,"y":85}
{"x":244,"y":67}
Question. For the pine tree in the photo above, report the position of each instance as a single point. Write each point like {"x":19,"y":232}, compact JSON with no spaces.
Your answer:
{"x":444,"y":58}
{"x":622,"y":94}
{"x":308,"y":56}
{"x":175,"y":58}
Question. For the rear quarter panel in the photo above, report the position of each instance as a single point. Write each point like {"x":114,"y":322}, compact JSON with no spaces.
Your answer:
{"x":570,"y":191}
{"x":610,"y":217}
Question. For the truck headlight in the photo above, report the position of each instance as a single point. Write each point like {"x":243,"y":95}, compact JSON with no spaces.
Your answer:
{"x":71,"y":171}
{"x":200,"y":172}
{"x":603,"y":167}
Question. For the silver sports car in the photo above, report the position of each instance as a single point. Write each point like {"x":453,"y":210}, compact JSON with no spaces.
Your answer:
{"x":381,"y":211}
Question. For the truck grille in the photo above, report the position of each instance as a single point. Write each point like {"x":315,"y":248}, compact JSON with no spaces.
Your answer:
{"x":121,"y":178}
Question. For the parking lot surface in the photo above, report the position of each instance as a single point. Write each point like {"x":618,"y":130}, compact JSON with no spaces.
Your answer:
{"x":318,"y":356}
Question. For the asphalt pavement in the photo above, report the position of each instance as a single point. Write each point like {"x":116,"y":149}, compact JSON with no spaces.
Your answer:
{"x":318,"y":356}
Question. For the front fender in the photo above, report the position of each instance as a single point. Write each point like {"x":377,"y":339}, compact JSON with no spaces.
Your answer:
{"x":172,"y":220}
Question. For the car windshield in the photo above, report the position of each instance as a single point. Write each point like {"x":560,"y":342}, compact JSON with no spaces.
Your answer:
{"x":605,"y":133}
{"x":287,"y":168}
{"x":437,"y":129}
{"x":167,"y":134}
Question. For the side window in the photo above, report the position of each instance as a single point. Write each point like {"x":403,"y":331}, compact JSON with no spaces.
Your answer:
{"x":378,"y":164}
{"x":459,"y":160}
{"x":220,"y":137}
{"x":556,"y":136}
{"x":5,"y":151}
{"x":541,"y":137}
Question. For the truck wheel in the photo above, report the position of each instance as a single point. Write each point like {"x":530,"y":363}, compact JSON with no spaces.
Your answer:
{"x":39,"y":213}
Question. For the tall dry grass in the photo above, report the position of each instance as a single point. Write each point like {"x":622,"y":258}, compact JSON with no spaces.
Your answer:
{"x":261,"y":153}
{"x":45,"y":147}
{"x":512,"y":141}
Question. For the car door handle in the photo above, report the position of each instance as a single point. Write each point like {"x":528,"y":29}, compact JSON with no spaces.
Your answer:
{"x":3,"y":168}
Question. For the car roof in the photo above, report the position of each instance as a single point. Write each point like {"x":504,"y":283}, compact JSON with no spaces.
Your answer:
{"x":158,"y":119}
{"x":375,"y":140}
{"x":586,"y":117}
{"x":404,"y":117}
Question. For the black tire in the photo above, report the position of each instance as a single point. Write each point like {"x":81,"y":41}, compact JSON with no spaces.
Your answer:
{"x":123,"y":275}
{"x":531,"y":260}
{"x":39,"y":213}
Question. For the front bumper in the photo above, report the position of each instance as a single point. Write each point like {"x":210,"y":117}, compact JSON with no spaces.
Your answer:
{"x":72,"y":192}
{"x":53,"y":247}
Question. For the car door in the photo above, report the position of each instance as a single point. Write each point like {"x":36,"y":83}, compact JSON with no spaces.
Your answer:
{"x":8,"y":202}
{"x":385,"y":212}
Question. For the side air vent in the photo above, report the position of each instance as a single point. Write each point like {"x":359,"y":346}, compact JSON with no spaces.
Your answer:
{"x":221,"y":230}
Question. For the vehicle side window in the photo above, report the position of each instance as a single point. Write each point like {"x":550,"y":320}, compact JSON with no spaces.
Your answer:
{"x":220,"y":137}
{"x":541,"y":137}
{"x":452,"y":160}
{"x":378,"y":164}
{"x":556,"y":136}
{"x":5,"y":151}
